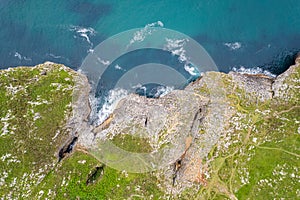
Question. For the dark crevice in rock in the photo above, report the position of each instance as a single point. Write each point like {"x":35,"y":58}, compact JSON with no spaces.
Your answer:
{"x":272,"y":94}
{"x":178,"y":163}
{"x":146,"y":121}
{"x":198,"y":118}
{"x":67,"y":148}
{"x":177,"y":166}
{"x":95,"y":175}
{"x":272,"y":91}
{"x":43,"y":73}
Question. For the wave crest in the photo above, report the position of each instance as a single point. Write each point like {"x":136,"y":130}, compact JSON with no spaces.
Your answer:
{"x":233,"y":45}
{"x":110,"y":103}
{"x":140,"y":35}
{"x":21,"y":57}
{"x":176,"y":47}
{"x":255,"y":70}
{"x":84,"y":33}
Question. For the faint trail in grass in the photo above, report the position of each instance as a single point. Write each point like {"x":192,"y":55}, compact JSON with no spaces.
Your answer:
{"x":278,"y":149}
{"x":290,"y":109}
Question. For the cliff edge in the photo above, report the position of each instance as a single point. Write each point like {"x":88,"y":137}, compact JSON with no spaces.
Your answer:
{"x":227,"y":136}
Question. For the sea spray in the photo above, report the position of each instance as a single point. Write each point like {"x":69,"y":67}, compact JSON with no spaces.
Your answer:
{"x":110,"y":101}
{"x":255,"y":70}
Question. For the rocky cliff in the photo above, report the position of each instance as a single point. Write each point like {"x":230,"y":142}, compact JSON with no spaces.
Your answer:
{"x":226,"y":136}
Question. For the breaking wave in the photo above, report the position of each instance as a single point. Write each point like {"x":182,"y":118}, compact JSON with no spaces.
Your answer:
{"x":152,"y":90}
{"x":110,"y":103}
{"x":176,"y":47}
{"x":191,"y":69}
{"x":84,"y":33}
{"x":21,"y":57}
{"x":140,"y":35}
{"x":255,"y":70}
{"x":233,"y":45}
{"x":162,"y":91}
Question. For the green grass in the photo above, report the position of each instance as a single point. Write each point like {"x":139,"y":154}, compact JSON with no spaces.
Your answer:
{"x":112,"y":184}
{"x":262,"y":161}
{"x":32,"y":144}
{"x":239,"y":169}
{"x":262,"y":166}
{"x":132,"y":143}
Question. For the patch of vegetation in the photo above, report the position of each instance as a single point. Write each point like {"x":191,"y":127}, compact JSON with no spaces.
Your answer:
{"x":34,"y":105}
{"x":68,"y":181}
{"x":258,"y":158}
{"x":33,"y":110}
{"x":132,"y":143}
{"x":95,"y":175}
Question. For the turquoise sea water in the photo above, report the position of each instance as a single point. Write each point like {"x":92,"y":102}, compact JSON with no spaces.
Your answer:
{"x":235,"y":33}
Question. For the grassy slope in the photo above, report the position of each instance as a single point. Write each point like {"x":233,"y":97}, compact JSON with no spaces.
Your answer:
{"x":261,"y":160}
{"x":27,"y":149}
{"x":31,"y":170}
{"x":69,"y":181}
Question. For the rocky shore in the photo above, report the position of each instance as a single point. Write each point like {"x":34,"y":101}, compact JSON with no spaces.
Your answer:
{"x":232,"y":136}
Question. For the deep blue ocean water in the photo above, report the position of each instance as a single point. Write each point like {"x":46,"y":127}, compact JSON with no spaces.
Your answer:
{"x":235,"y":33}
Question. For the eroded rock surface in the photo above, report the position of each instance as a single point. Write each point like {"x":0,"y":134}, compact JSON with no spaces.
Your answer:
{"x":236,"y":137}
{"x":286,"y":85}
{"x":213,"y":110}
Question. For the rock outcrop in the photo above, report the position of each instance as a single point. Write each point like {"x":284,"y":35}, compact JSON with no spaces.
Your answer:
{"x":211,"y":111}
{"x":226,"y":136}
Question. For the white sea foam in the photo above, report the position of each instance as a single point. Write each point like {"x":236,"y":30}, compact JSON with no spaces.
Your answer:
{"x":104,"y":62}
{"x":162,"y":91}
{"x":176,"y":47}
{"x":110,"y":104}
{"x":256,"y":70}
{"x":20,"y":57}
{"x":159,"y":23}
{"x":140,"y":35}
{"x":83,"y":32}
{"x":112,"y":100}
{"x":90,"y":50}
{"x":233,"y":45}
{"x":27,"y":58}
{"x":191,"y":70}
{"x":118,"y":67}
{"x":138,"y":86}
{"x":53,"y":56}
{"x":94,"y":103}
